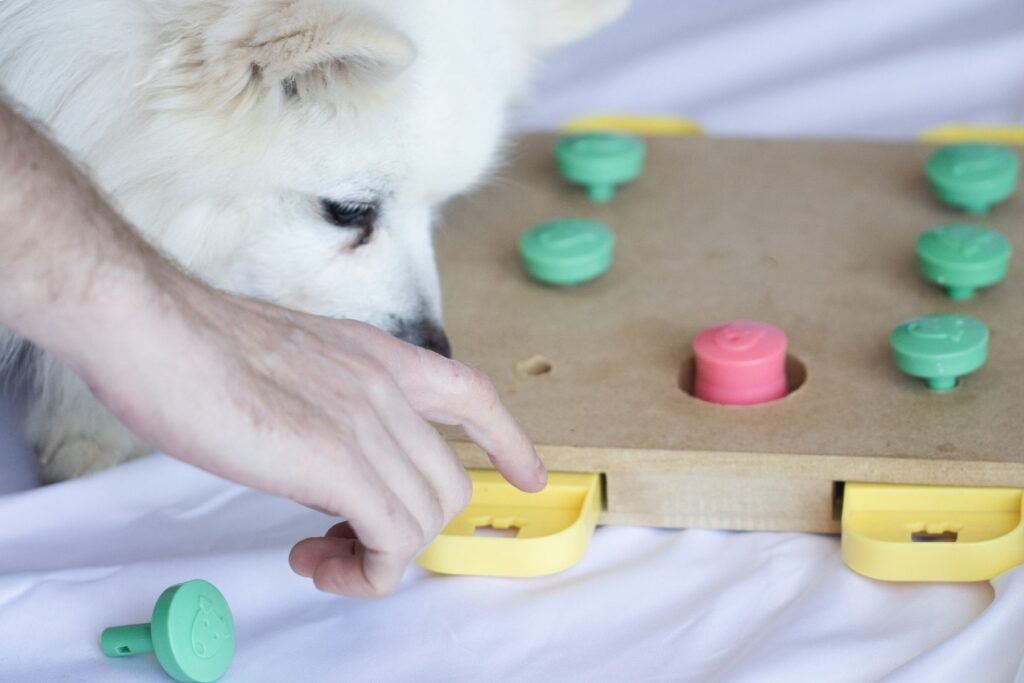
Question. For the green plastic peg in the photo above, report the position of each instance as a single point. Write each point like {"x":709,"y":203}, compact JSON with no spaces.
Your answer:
{"x":974,"y":176}
{"x":963,"y":258}
{"x":940,"y":348}
{"x":600,"y":162}
{"x":570,"y":251}
{"x":192,"y":633}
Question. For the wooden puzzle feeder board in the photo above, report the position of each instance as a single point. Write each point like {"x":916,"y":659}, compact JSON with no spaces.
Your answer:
{"x":814,"y":237}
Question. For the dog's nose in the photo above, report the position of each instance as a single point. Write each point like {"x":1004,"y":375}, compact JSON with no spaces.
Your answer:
{"x":428,"y":335}
{"x":436,"y":340}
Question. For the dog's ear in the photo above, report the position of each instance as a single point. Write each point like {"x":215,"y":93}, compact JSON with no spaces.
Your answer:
{"x":299,"y":38}
{"x":563,"y":21}
{"x":299,"y":46}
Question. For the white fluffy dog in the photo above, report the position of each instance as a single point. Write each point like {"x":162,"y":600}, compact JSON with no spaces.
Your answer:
{"x":295,"y":151}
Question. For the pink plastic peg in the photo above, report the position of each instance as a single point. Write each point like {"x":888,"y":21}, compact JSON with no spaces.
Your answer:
{"x":740,"y":363}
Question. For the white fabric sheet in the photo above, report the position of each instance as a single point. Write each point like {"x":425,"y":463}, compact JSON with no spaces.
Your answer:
{"x":850,"y":68}
{"x":644,"y":604}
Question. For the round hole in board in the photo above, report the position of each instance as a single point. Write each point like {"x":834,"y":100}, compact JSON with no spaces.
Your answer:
{"x":796,"y":376}
{"x":535,"y":366}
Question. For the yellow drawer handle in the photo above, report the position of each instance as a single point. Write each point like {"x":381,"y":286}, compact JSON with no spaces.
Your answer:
{"x":552,"y":528}
{"x":931,"y":533}
{"x":957,"y":132}
{"x":636,"y":124}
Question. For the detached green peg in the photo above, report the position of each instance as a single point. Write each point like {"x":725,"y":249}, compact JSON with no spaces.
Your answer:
{"x":963,"y":258}
{"x":940,"y":348}
{"x":192,"y":633}
{"x":600,"y":162}
{"x":974,"y":176}
{"x":567,"y":252}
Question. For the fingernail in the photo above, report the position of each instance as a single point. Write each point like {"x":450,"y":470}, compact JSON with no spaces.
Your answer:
{"x":542,"y":473}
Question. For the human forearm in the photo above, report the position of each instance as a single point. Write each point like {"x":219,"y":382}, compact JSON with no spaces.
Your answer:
{"x":66,"y":258}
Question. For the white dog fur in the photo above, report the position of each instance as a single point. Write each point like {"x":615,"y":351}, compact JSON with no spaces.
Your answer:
{"x":218,"y":127}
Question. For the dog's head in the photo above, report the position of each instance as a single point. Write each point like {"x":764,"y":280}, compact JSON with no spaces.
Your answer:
{"x":298,"y":150}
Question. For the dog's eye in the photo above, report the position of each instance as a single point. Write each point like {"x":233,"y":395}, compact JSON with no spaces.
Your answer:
{"x":348,"y":214}
{"x":360,"y":216}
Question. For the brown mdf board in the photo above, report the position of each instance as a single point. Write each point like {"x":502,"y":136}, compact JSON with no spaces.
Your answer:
{"x":815,"y":237}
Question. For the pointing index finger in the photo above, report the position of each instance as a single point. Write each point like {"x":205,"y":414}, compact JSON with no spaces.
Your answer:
{"x":449,"y":392}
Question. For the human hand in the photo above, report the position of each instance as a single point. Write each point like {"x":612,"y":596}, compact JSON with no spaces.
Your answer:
{"x":333,"y":414}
